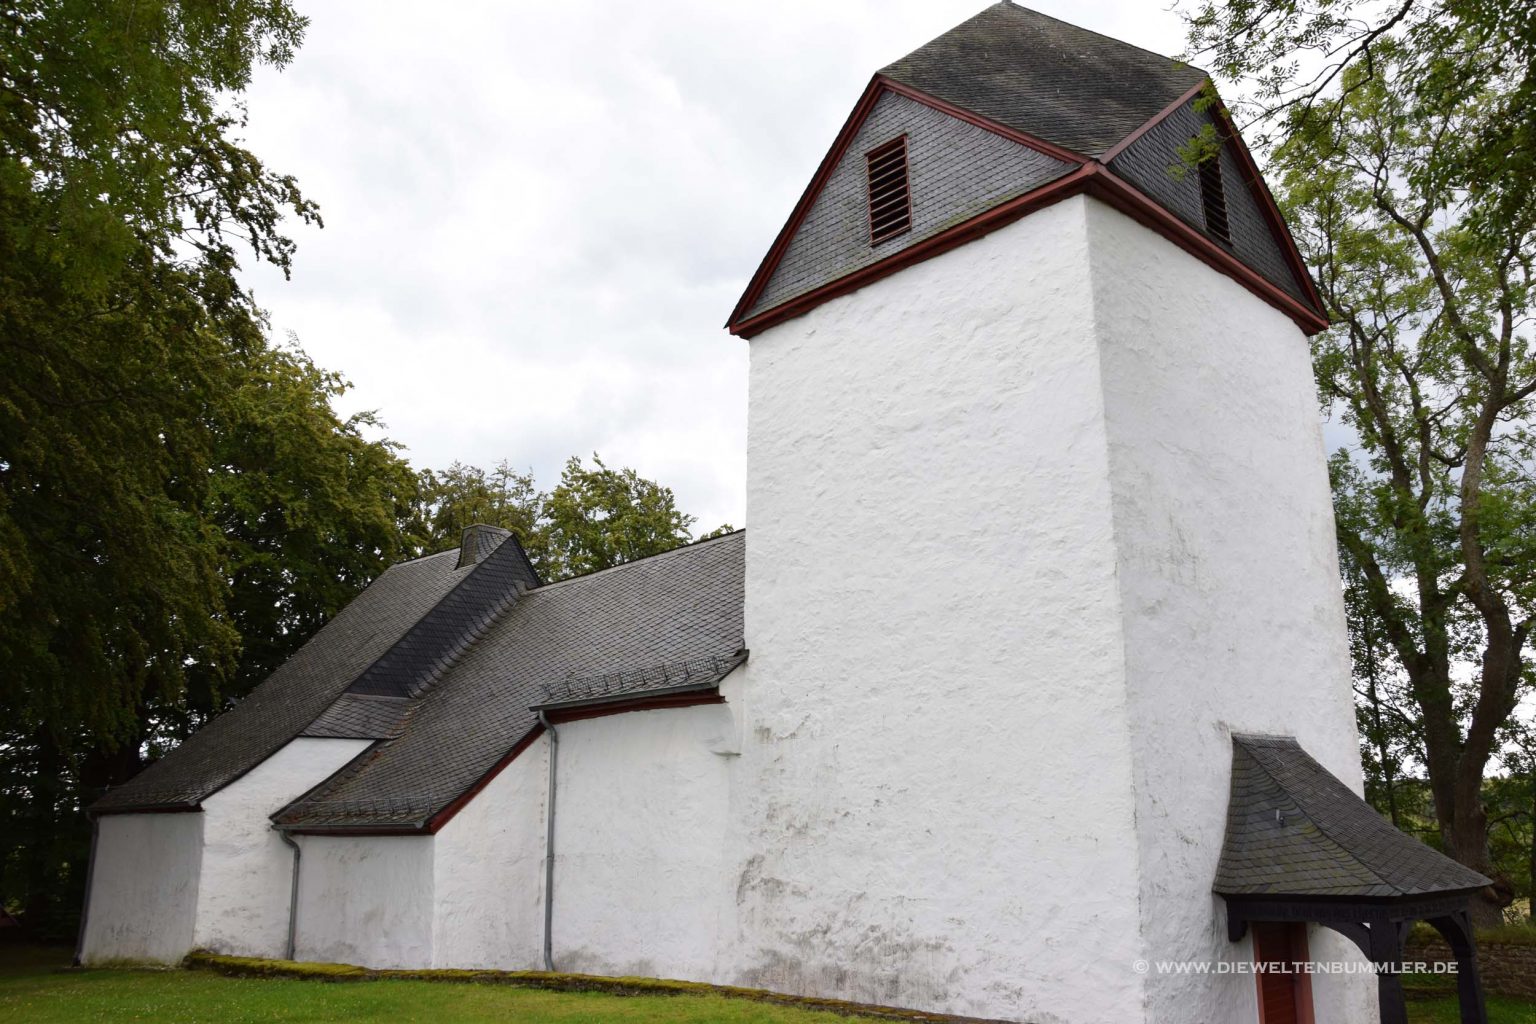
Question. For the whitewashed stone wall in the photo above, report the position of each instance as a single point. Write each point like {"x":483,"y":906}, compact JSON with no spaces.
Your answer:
{"x":143,"y":898}
{"x":1229,"y":586}
{"x":247,"y":870}
{"x":1036,"y":525}
{"x":488,"y":866}
{"x":641,"y":815}
{"x":366,"y":900}
{"x":934,"y":804}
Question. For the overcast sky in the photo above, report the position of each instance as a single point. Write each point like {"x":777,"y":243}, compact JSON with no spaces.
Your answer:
{"x":538,"y":215}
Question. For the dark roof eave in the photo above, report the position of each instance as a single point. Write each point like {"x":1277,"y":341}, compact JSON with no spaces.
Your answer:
{"x":192,"y":807}
{"x":417,"y":828}
{"x":625,"y":698}
{"x":1344,"y":899}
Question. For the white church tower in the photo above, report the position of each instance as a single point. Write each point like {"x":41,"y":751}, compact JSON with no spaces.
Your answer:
{"x":1040,"y":521}
{"x":1025,"y":697}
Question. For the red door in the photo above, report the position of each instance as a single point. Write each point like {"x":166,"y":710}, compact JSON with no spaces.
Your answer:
{"x":1285,"y":993}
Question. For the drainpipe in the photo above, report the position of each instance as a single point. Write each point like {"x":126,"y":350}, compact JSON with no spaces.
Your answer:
{"x":549,"y":845}
{"x":90,"y":878}
{"x":293,"y":892}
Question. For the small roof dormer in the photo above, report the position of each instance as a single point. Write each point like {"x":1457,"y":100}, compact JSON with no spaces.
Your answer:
{"x":1002,"y":115}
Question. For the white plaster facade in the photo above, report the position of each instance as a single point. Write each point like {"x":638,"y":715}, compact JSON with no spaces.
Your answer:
{"x":143,"y":897}
{"x":935,"y":795}
{"x":366,"y":901}
{"x":1036,"y":524}
{"x":1233,"y":614}
{"x":247,"y":870}
{"x":218,"y":879}
{"x":1007,"y":606}
{"x":488,"y":872}
{"x":642,"y":805}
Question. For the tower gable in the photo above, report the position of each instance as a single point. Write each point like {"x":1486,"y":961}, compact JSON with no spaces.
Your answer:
{"x":1003,"y":115}
{"x":1255,"y":234}
{"x":956,"y":170}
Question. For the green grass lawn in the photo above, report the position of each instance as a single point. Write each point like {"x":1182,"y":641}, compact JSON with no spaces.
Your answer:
{"x":35,"y":987}
{"x":1445,"y":1011}
{"x":1426,"y":1008}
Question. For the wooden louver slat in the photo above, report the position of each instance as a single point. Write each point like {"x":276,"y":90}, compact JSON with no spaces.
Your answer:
{"x":890,"y":191}
{"x":1213,"y":198}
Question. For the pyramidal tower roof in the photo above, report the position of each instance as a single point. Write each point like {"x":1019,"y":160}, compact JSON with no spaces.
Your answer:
{"x":1002,"y":115}
{"x":1068,"y":86}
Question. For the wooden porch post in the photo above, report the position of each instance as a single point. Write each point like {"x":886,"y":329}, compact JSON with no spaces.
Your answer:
{"x":1387,"y":955}
{"x":1457,"y":929}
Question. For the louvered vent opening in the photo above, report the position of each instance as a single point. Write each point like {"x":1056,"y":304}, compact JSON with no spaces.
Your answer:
{"x":890,"y":193}
{"x":1214,"y":198}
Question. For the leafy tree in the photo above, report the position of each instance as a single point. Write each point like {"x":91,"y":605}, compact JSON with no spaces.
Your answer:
{"x":600,"y":517}
{"x":593,"y":519}
{"x":1513,"y":800}
{"x":462,"y":496}
{"x":1430,"y":362}
{"x":1298,"y":56}
{"x":310,"y":510}
{"x":1389,"y":735}
{"x":174,"y":492}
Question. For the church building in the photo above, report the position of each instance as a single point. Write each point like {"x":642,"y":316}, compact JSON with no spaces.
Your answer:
{"x":1027,"y":684}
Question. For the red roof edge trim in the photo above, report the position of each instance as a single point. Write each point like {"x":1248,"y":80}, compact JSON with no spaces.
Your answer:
{"x":1152,"y":122}
{"x":146,"y":809}
{"x":981,"y":224}
{"x":444,"y":816}
{"x":640,"y":703}
{"x":1092,"y":178}
{"x":1271,"y":209}
{"x":1117,"y":192}
{"x":680,"y":700}
{"x":1023,"y":138}
{"x":807,"y":199}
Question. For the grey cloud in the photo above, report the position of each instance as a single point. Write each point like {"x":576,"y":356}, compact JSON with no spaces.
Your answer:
{"x":567,"y":198}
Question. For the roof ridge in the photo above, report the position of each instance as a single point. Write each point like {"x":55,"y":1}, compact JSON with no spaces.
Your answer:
{"x":442,"y":640}
{"x":1095,"y":32}
{"x":636,"y":561}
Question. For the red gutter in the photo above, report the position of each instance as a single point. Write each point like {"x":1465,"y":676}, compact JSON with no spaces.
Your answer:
{"x":147,"y":809}
{"x":672,"y":700}
{"x":1117,"y":192}
{"x":997,"y":217}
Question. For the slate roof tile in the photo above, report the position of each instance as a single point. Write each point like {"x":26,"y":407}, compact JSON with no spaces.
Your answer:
{"x":1293,"y":829}
{"x":682,"y":606}
{"x":1058,"y":82}
{"x":293,"y":696}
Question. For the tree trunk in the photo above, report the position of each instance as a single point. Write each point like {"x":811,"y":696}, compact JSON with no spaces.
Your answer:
{"x":1467,"y":841}
{"x":1456,"y":782}
{"x":1530,"y":906}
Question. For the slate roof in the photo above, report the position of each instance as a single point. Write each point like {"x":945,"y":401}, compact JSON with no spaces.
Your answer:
{"x":362,"y":716}
{"x":1009,"y":111}
{"x":684,"y":606}
{"x":1058,"y":82}
{"x":1293,"y":829}
{"x":292,"y":697}
{"x":431,"y":646}
{"x":667,"y":678}
{"x":442,"y":667}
